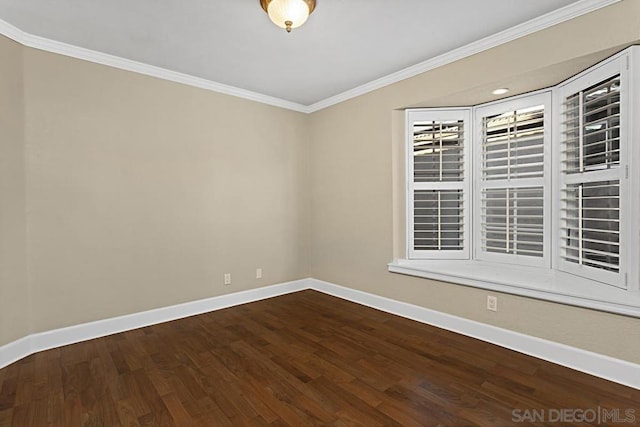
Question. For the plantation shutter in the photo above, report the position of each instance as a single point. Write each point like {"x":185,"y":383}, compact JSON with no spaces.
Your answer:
{"x":438,"y":191}
{"x":590,"y":218}
{"x":511,"y":184}
{"x":591,"y":224}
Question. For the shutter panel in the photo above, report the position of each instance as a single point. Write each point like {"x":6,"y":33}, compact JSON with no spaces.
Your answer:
{"x":438,"y":187}
{"x":592,"y":128}
{"x":590,"y":200}
{"x":513,"y":145}
{"x":438,"y":220}
{"x":513,"y":221}
{"x":511,"y":197}
{"x":591,"y":219}
{"x":438,"y":151}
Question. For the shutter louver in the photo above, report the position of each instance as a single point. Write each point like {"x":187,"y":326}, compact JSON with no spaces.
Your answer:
{"x":591,"y":218}
{"x":513,"y":145}
{"x":438,"y":220}
{"x":512,"y":221}
{"x":592,"y":128}
{"x":438,"y":151}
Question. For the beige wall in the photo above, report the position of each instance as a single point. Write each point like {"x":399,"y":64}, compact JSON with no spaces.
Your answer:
{"x":357,"y":208}
{"x":143,"y":193}
{"x":14,"y":297}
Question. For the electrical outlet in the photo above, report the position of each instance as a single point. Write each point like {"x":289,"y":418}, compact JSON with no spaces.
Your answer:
{"x":258,"y":273}
{"x":492,"y":303}
{"x":227,"y":278}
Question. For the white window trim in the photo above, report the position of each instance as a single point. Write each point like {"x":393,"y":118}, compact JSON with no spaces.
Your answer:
{"x":553,"y":284}
{"x":633,"y":251}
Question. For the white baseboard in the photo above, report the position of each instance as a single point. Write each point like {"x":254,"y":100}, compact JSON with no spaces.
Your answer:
{"x":34,"y":343}
{"x":609,"y":368}
{"x":15,"y":350}
{"x":616,"y":370}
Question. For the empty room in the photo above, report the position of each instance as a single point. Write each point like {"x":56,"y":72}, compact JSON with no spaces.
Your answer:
{"x":319,"y":212}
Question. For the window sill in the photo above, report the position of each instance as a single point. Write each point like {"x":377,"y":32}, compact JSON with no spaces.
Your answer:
{"x":548,"y":285}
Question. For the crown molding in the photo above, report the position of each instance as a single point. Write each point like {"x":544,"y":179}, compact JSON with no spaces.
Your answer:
{"x":550,"y":19}
{"x":77,"y":52}
{"x":566,"y":13}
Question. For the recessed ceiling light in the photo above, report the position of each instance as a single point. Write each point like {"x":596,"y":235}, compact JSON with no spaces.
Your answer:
{"x":500,"y":91}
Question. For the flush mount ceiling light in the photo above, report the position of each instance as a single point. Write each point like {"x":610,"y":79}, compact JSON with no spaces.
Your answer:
{"x":288,"y":14}
{"x":500,"y":91}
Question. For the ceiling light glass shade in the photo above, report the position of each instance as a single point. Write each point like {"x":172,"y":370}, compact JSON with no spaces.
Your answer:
{"x":288,"y":14}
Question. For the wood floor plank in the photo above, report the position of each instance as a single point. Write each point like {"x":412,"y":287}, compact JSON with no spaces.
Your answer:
{"x":299,"y":359}
{"x":6,"y":417}
{"x":8,"y":391}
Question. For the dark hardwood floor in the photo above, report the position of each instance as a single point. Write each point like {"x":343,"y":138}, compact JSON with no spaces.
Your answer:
{"x":299,"y":359}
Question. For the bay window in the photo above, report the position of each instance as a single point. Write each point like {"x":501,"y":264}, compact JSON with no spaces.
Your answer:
{"x":534,"y":195}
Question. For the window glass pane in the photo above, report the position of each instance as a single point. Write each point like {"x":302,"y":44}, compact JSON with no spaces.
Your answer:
{"x":438,"y":220}
{"x":438,"y":151}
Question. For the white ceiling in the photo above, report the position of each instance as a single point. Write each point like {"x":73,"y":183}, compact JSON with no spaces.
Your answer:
{"x":344,"y":44}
